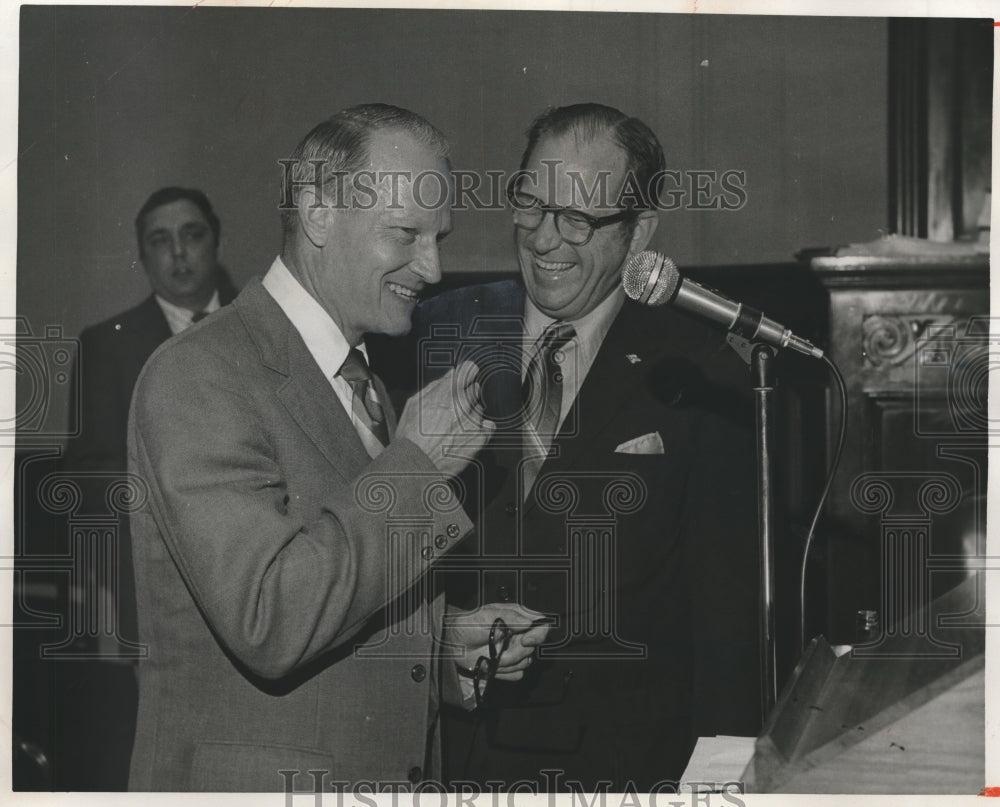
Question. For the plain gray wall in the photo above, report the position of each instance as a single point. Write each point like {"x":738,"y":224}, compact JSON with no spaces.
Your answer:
{"x":117,"y":101}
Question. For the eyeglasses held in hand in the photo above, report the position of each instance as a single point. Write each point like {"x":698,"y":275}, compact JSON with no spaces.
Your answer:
{"x":486,"y":667}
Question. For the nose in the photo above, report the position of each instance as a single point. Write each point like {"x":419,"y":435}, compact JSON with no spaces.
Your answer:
{"x":177,"y":247}
{"x":546,"y":237}
{"x":428,"y":264}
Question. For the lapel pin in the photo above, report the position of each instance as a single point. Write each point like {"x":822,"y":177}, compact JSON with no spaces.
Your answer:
{"x":632,"y":358}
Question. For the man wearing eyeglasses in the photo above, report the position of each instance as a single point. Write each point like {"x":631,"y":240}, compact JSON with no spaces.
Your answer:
{"x":619,"y":475}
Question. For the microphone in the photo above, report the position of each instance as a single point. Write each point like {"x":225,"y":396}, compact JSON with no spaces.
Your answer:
{"x":652,"y":279}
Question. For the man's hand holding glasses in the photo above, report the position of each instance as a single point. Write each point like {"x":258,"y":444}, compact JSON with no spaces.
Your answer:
{"x":496,"y":641}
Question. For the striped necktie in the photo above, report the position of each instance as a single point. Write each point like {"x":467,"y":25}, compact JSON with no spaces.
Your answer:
{"x":542,"y":394}
{"x":364,"y":402}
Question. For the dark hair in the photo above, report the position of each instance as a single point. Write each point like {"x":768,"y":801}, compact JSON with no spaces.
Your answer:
{"x":644,"y":154}
{"x":164,"y":196}
{"x":340,"y":143}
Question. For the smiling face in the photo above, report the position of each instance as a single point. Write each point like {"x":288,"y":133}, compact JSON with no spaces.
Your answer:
{"x":373,"y":264}
{"x":178,"y":252}
{"x":567,"y":281}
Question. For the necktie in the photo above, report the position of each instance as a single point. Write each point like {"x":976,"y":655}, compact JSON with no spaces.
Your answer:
{"x":198,"y":316}
{"x":541,"y":394}
{"x":364,"y":403}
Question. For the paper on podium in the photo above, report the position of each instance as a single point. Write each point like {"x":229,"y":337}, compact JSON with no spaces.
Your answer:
{"x":718,"y":760}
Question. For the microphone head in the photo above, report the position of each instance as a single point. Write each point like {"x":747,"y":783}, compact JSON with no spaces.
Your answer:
{"x":650,"y":278}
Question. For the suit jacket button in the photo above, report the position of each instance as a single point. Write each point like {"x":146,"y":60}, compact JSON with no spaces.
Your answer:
{"x":415,"y":774}
{"x":418,"y":673}
{"x":426,"y":553}
{"x":503,"y":594}
{"x":510,"y":509}
{"x":452,"y":530}
{"x":440,"y":541}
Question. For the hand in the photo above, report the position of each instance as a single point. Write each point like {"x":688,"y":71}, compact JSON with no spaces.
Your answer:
{"x":447,"y":420}
{"x":471,"y":630}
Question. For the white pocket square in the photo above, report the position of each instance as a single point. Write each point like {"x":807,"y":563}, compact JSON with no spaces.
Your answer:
{"x":650,"y":443}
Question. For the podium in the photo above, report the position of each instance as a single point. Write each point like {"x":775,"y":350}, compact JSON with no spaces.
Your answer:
{"x":902,"y":714}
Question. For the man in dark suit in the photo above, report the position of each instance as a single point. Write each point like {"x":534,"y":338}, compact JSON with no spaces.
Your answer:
{"x":618,"y":491}
{"x":178,"y":236}
{"x":283,"y":551}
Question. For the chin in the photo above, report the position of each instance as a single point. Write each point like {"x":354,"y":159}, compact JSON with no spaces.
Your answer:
{"x":398,"y":328}
{"x":549,"y":305}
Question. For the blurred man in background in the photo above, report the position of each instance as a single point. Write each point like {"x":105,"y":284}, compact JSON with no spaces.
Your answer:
{"x":178,"y":240}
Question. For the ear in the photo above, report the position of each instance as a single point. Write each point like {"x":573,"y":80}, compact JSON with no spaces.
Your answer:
{"x":642,"y":234}
{"x":314,"y":217}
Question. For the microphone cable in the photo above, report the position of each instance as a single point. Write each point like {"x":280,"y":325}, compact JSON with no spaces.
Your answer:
{"x":831,"y":472}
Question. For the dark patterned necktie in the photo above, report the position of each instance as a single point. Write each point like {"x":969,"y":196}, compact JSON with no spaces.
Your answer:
{"x":364,"y":402}
{"x":542,"y":394}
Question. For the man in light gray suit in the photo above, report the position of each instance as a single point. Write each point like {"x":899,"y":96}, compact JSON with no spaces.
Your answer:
{"x":289,"y":524}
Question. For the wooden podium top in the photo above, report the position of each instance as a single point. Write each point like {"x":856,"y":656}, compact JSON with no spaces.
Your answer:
{"x":904,"y":714}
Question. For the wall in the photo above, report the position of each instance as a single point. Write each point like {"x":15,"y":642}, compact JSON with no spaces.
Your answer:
{"x":115,"y":102}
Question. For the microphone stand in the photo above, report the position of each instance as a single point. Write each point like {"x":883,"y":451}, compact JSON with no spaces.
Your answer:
{"x":760,"y":358}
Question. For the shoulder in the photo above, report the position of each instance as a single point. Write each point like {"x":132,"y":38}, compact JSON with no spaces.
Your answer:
{"x":220,"y":352}
{"x":218,"y":337}
{"x":461,"y":306}
{"x":204,"y":375}
{"x":502,"y":295}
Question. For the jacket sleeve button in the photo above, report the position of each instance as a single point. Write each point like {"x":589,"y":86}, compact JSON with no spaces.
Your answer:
{"x":418,"y":673}
{"x":440,"y":541}
{"x":452,"y":530}
{"x":426,"y":553}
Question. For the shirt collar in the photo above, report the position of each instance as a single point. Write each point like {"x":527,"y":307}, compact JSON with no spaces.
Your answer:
{"x":323,"y":337}
{"x":591,"y":328}
{"x":179,"y":318}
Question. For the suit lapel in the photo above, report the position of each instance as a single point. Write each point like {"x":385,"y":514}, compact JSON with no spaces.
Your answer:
{"x":311,"y":401}
{"x":305,"y":392}
{"x":502,"y":385}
